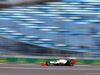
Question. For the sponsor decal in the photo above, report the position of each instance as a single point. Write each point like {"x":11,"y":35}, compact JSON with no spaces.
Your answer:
{"x":3,"y":60}
{"x":22,"y":60}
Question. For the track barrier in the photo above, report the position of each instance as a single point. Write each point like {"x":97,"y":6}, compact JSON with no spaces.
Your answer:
{"x":43,"y":60}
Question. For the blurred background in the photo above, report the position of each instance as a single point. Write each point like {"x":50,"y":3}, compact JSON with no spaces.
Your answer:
{"x":50,"y":28}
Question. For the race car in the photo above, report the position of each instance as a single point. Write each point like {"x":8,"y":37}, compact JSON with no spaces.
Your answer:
{"x":60,"y":62}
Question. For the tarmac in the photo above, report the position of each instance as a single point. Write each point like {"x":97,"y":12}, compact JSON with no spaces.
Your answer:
{"x":37,"y":69}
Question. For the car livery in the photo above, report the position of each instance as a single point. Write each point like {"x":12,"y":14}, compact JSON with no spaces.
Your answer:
{"x":60,"y":62}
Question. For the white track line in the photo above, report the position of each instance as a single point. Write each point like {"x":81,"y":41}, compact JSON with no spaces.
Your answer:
{"x":50,"y":68}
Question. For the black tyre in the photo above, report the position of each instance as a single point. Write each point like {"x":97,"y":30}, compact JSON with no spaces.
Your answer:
{"x":70,"y":64}
{"x":48,"y":64}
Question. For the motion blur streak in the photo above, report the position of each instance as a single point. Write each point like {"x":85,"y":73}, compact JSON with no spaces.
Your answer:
{"x":50,"y":68}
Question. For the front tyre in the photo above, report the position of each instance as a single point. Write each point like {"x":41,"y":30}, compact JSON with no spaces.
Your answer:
{"x":48,"y":63}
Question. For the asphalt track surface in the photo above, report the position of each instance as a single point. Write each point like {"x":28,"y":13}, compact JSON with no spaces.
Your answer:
{"x":37,"y":69}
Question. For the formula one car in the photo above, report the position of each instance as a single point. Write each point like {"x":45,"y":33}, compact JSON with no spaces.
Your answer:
{"x":60,"y":62}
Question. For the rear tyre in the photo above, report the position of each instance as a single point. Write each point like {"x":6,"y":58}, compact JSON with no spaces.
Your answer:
{"x":48,"y":64}
{"x":70,"y":64}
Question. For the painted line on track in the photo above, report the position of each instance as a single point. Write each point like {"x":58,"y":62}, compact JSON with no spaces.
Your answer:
{"x":40,"y":64}
{"x":49,"y":68}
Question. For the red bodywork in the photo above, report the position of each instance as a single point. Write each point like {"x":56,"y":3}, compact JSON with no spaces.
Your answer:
{"x":43,"y":64}
{"x":73,"y":61}
{"x":61,"y":63}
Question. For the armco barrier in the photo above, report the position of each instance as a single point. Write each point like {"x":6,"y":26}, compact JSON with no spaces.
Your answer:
{"x":38,"y":60}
